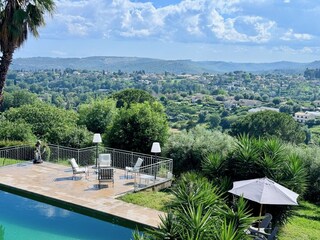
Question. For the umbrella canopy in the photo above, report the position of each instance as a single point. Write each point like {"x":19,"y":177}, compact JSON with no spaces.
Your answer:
{"x":264,"y":191}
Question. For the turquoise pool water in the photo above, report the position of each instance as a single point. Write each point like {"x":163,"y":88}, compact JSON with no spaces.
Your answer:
{"x":26,"y":219}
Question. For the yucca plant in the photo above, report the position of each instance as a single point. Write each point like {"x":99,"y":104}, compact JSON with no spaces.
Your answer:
{"x":228,"y":231}
{"x":168,"y":228}
{"x":198,"y":212}
{"x":196,"y":221}
{"x":137,"y":236}
{"x":295,"y":174}
{"x":243,"y":163}
{"x":215,"y":166}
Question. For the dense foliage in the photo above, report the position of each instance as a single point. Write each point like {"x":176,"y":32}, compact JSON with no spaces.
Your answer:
{"x":127,"y":97}
{"x":54,"y":125}
{"x":137,"y":127}
{"x":257,"y":158}
{"x":97,"y":115}
{"x":199,"y":212}
{"x":188,"y":148}
{"x":16,"y":131}
{"x":269,"y":124}
{"x":310,"y":155}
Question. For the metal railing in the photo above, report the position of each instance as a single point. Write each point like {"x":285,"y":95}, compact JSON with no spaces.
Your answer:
{"x":61,"y":154}
{"x":154,"y":169}
{"x":15,"y":154}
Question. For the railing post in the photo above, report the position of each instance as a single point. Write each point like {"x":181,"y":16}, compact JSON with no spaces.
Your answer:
{"x":58,"y":154}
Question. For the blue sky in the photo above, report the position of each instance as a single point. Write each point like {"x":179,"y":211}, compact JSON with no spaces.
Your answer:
{"x":218,"y":30}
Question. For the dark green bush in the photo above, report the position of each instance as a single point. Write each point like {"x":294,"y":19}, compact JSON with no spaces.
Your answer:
{"x":258,"y":158}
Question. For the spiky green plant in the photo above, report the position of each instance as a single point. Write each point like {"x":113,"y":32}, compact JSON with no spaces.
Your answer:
{"x":198,"y":212}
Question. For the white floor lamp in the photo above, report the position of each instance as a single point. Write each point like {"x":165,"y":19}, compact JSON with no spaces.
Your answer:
{"x":155,"y":149}
{"x":97,"y":139}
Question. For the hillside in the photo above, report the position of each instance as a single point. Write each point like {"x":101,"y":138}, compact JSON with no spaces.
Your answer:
{"x":130,"y":64}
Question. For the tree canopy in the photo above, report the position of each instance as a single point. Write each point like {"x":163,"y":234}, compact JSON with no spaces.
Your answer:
{"x":268,"y":124}
{"x":47,"y":122}
{"x":128,"y":96}
{"x":97,"y":115}
{"x":137,"y":127}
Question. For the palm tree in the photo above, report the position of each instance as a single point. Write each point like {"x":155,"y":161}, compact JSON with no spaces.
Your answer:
{"x":17,"y":18}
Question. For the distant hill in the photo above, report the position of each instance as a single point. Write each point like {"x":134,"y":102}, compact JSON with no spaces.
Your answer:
{"x":130,"y":64}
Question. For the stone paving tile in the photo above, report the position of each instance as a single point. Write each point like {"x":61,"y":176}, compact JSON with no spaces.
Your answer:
{"x":55,"y":181}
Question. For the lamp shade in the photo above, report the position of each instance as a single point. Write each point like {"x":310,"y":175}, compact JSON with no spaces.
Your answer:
{"x":156,"y":147}
{"x":97,"y":138}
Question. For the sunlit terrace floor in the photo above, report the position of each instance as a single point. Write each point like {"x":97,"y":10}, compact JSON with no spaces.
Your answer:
{"x":55,"y":181}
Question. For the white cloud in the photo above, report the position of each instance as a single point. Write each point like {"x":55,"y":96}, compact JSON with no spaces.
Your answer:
{"x":225,"y":28}
{"x":290,"y":35}
{"x":187,"y":21}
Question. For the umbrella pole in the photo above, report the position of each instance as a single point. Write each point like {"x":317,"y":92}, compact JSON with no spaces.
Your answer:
{"x":260,"y":217}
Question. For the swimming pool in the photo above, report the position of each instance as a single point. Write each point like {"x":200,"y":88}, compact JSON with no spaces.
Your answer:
{"x":27,"y":219}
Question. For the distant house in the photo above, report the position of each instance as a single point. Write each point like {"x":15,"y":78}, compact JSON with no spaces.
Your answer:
{"x":253,"y":110}
{"x":305,"y":116}
{"x":316,"y":103}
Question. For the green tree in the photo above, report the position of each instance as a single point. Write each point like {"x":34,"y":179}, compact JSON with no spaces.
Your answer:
{"x":48,"y":122}
{"x":214,"y":120}
{"x":16,"y":19}
{"x":97,"y":115}
{"x":16,"y":131}
{"x":129,"y":96}
{"x":268,"y":124}
{"x":17,"y":99}
{"x":76,"y":137}
{"x":276,"y":101}
{"x":286,"y":109}
{"x":202,"y":116}
{"x":137,"y":127}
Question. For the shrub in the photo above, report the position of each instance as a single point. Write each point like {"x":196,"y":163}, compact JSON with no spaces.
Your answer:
{"x":16,"y":131}
{"x":257,"y":158}
{"x":199,"y":212}
{"x":310,"y":155}
{"x":187,"y":149}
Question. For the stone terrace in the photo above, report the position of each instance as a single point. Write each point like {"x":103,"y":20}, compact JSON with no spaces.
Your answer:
{"x":54,"y":181}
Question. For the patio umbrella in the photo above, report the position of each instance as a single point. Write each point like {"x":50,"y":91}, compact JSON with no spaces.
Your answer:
{"x":264,"y":191}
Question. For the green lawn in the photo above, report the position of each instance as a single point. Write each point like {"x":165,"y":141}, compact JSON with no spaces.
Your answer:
{"x":304,"y":225}
{"x":151,"y":199}
{"x":8,"y":161}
